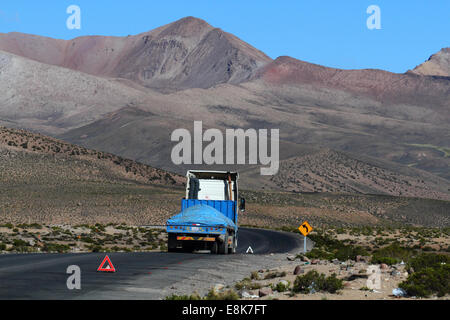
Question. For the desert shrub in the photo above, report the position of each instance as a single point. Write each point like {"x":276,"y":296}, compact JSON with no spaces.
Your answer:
{"x":281,"y":287}
{"x":29,"y":226}
{"x":332,"y":284}
{"x":288,"y":229}
{"x":324,"y":241}
{"x":194,"y":296}
{"x":428,"y":281}
{"x":273,"y":275}
{"x":247,"y":284}
{"x":56,"y":247}
{"x":7,"y":225}
{"x":87,"y":239}
{"x":328,"y":248}
{"x":313,"y":281}
{"x":96,"y":248}
{"x":98,"y":228}
{"x":350,"y":252}
{"x":424,"y":260}
{"x":212,"y":295}
{"x":20,"y":246}
{"x":254,"y":275}
{"x":386,"y":260}
{"x":227,"y":295}
{"x":2,"y":246}
{"x":20,"y":243}
{"x":392,"y":254}
{"x":317,"y":253}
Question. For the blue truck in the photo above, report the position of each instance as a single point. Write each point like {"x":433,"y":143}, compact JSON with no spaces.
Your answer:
{"x":209,"y":214}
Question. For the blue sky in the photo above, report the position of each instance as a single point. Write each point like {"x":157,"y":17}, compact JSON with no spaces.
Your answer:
{"x":331,"y":33}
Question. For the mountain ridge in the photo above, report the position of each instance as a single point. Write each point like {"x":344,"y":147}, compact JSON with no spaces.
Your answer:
{"x":402,"y":118}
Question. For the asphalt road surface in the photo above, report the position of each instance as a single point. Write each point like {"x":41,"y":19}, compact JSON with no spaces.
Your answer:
{"x":43,"y":276}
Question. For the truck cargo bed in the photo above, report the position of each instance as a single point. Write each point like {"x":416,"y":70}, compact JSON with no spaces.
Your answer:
{"x":201,"y":218}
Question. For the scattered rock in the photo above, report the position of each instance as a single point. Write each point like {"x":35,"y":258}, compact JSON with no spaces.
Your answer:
{"x":291,"y":257}
{"x":245,"y":294}
{"x":305,"y":259}
{"x":218,"y":287}
{"x":265,"y":291}
{"x":365,"y":259}
{"x":335,"y":261}
{"x":298,"y":270}
{"x":314,"y":261}
{"x":384,"y":266}
{"x":395,"y":273}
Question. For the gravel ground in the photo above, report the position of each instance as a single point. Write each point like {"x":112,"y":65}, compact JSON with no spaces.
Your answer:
{"x":227,"y":271}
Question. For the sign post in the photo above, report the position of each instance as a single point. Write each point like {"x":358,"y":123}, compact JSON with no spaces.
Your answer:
{"x":305,"y":229}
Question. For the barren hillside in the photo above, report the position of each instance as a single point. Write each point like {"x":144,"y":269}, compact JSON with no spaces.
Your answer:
{"x":437,"y":65}
{"x":331,"y":171}
{"x":78,"y":162}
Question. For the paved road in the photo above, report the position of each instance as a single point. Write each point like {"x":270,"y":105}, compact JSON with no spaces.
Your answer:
{"x":43,"y":276}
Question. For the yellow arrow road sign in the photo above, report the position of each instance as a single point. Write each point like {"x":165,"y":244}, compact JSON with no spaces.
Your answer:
{"x":305,"y":228}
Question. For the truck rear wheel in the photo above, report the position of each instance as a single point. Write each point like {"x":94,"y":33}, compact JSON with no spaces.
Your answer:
{"x":232,"y":250}
{"x":223,"y":246}
{"x":214,"y":247}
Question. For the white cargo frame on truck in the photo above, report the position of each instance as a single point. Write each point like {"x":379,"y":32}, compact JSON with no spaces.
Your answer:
{"x":212,"y":185}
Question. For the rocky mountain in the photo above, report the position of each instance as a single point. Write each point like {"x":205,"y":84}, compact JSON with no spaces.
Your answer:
{"x":437,"y":65}
{"x":188,"y":53}
{"x":126,"y":95}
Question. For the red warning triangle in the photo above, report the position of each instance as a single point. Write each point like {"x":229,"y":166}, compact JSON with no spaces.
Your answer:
{"x":108,"y":268}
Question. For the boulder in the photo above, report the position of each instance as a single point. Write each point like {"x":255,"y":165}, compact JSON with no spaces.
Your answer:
{"x":290,"y":257}
{"x":396,"y":273}
{"x":365,"y":259}
{"x":305,"y":259}
{"x":265,"y":291}
{"x":244,"y":294}
{"x":218,"y":287}
{"x":298,"y":270}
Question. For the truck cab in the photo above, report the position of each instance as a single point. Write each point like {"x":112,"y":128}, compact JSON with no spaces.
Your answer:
{"x":209,"y":214}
